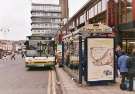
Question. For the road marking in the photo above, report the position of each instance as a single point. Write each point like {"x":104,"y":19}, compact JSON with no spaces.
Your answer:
{"x":51,"y":83}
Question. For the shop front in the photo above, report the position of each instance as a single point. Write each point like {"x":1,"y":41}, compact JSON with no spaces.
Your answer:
{"x":128,"y":41}
{"x":126,"y":36}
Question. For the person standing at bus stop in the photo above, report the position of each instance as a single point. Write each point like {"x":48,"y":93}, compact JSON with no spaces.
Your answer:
{"x":122,"y":64}
{"x":131,"y":69}
{"x":118,"y":53}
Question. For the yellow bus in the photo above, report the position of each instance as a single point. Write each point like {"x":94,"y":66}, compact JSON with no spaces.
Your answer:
{"x":40,"y":53}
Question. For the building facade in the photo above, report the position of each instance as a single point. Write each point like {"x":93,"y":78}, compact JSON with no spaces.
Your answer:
{"x":45,"y":18}
{"x":64,"y":8}
{"x":118,"y":14}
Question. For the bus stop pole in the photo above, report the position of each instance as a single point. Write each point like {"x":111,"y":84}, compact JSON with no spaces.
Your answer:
{"x":80,"y":59}
{"x":62,"y":62}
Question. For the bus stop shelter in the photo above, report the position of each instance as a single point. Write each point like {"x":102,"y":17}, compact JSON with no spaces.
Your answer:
{"x":89,"y":53}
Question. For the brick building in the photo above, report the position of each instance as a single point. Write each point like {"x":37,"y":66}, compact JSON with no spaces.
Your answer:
{"x":64,"y":7}
{"x":117,"y":14}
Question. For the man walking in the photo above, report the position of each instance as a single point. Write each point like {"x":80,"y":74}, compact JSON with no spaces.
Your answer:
{"x":13,"y":56}
{"x":131,"y":69}
{"x":122,"y":64}
{"x":22,"y":53}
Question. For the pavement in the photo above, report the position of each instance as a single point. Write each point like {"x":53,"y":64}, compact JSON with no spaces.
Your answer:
{"x":69,"y":86}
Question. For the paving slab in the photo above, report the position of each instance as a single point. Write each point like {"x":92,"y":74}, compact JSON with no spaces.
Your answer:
{"x":69,"y":86}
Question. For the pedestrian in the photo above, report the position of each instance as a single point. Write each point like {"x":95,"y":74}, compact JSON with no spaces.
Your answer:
{"x":131,"y":69}
{"x":122,"y":64}
{"x":46,"y":51}
{"x":118,"y":53}
{"x":5,"y":58}
{"x":13,"y":56}
{"x":22,"y":53}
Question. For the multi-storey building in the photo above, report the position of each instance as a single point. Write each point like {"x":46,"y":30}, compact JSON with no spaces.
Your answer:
{"x":46,"y":18}
{"x":64,"y":8}
{"x":118,"y":14}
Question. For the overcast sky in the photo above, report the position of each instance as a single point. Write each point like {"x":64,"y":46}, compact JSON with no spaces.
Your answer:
{"x":15,"y":15}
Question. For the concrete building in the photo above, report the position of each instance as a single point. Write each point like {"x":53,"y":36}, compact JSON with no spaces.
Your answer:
{"x":6,"y":45}
{"x":118,"y":14}
{"x":46,"y":19}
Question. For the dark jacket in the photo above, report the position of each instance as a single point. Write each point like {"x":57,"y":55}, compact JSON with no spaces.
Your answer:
{"x":131,"y":65}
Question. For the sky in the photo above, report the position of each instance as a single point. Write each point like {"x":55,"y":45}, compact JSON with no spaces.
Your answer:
{"x":15,"y":16}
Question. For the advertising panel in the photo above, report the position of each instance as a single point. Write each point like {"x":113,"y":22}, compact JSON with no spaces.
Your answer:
{"x":100,"y":59}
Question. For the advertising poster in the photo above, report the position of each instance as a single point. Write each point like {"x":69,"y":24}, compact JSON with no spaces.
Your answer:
{"x":100,"y":59}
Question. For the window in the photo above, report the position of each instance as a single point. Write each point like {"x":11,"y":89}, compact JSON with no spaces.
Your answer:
{"x":77,"y":22}
{"x":99,"y":7}
{"x":96,"y":9}
{"x":82,"y":18}
{"x":129,"y":11}
{"x":88,"y":14}
{"x":125,"y":11}
{"x":91,"y":12}
{"x":73,"y":24}
{"x":104,"y":5}
{"x":130,"y":1}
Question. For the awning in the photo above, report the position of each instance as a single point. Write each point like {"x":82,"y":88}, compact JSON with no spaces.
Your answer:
{"x":126,"y":27}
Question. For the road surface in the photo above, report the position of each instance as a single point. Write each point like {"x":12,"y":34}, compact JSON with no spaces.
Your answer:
{"x":15,"y":79}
